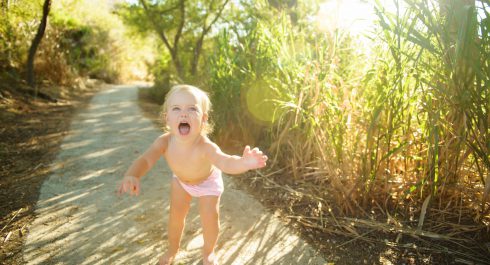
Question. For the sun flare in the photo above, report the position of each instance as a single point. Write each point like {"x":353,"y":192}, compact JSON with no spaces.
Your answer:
{"x":355,"y":16}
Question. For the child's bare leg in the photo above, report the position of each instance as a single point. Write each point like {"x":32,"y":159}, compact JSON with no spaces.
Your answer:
{"x":179,"y":207}
{"x":209,"y":212}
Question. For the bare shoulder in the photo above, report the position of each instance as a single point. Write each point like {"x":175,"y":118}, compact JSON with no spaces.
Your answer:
{"x":209,"y":146}
{"x":162,"y":142}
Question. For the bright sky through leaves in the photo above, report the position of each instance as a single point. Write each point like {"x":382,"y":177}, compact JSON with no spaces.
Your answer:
{"x":357,"y":16}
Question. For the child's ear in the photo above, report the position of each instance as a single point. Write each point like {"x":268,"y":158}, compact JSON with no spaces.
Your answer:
{"x":205,"y":117}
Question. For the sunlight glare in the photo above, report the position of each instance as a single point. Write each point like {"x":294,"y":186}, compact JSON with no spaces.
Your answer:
{"x":355,"y":16}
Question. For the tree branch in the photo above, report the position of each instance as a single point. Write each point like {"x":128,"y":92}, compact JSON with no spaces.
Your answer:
{"x":217,"y":16}
{"x":160,"y":32}
{"x":181,"y":25}
{"x":200,"y":40}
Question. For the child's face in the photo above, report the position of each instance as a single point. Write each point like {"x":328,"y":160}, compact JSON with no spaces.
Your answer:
{"x":185,"y":115}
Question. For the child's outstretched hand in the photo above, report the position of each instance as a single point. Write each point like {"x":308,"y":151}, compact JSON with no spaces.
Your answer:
{"x":254,"y":158}
{"x":130,"y":185}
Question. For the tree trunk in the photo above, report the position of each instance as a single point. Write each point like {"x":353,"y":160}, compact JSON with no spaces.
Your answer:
{"x":35,"y":43}
{"x":197,"y":54}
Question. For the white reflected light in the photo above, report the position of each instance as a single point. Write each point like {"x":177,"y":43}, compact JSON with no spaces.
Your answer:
{"x":355,"y":16}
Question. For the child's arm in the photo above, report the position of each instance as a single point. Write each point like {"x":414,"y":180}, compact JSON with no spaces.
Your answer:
{"x":232,"y":164}
{"x":142,"y":165}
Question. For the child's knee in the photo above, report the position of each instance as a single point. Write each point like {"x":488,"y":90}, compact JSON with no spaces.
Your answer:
{"x":179,"y":209}
{"x":209,"y":214}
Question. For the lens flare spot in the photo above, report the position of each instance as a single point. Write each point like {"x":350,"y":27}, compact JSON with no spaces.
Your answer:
{"x":263,"y":103}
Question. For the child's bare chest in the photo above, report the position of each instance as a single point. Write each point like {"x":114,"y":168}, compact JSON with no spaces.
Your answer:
{"x":189,"y":166}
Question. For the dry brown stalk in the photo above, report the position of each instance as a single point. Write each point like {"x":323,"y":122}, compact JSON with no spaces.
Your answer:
{"x":422,"y":213}
{"x":11,"y":219}
{"x":400,"y":229}
{"x":347,"y":224}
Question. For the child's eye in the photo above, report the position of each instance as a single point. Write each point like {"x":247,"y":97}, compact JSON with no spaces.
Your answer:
{"x":175,"y":108}
{"x":193,"y":109}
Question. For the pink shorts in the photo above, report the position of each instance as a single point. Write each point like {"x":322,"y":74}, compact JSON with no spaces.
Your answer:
{"x":212,"y":186}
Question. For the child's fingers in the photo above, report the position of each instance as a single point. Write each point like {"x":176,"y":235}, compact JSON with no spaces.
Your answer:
{"x":137,"y":188}
{"x":262,"y":161}
{"x":246,"y":151}
{"x":127,"y":186}
{"x":121,"y":188}
{"x":131,"y":187}
{"x":134,"y":187}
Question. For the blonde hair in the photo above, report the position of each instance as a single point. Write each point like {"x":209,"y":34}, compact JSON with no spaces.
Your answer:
{"x":203,"y":97}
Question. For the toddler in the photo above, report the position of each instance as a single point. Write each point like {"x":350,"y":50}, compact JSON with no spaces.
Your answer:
{"x":196,"y":163}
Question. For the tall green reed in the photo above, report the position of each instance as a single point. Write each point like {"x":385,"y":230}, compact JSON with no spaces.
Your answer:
{"x":445,"y":55}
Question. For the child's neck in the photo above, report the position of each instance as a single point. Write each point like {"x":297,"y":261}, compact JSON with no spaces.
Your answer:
{"x":187,"y":144}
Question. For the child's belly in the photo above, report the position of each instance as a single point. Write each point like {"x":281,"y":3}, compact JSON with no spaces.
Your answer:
{"x":194,"y":176}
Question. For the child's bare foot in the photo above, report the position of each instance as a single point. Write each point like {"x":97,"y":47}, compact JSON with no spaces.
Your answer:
{"x":209,"y":259}
{"x":167,"y":258}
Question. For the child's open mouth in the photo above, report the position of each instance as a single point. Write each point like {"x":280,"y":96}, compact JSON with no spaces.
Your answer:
{"x":184,"y":128}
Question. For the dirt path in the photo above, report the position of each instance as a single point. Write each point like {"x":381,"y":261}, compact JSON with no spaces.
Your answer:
{"x":80,"y":220}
